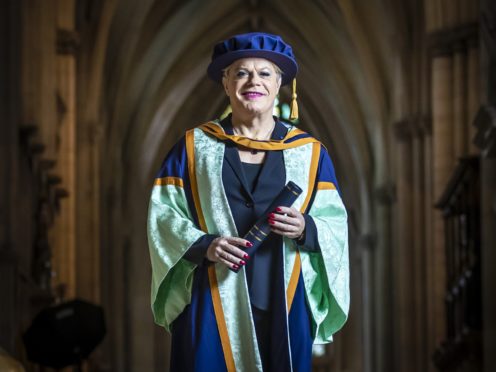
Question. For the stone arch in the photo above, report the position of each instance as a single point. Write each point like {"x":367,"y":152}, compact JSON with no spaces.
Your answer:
{"x":344,"y":87}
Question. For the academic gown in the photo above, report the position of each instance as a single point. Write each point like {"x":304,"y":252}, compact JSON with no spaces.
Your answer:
{"x":284,"y":340}
{"x":264,"y":268}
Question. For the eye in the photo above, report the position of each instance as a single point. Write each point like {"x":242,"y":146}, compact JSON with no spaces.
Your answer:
{"x":265,"y":73}
{"x":241,"y":73}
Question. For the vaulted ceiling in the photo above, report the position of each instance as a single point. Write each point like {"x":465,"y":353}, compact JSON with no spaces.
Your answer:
{"x":146,"y":84}
{"x":156,"y":87}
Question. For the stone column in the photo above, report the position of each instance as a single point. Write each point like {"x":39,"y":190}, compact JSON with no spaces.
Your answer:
{"x":473,"y":92}
{"x":10,"y":215}
{"x":442,"y":165}
{"x":42,"y":41}
{"x":403,"y":255}
{"x":429,"y":241}
{"x":486,"y":125}
{"x":459,"y":101}
{"x":419,"y":245}
{"x":64,"y":247}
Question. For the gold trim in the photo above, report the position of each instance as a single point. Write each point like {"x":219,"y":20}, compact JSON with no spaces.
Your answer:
{"x":295,"y":274}
{"x":326,"y":186}
{"x":293,"y":281}
{"x":256,"y":227}
{"x":176,"y":181}
{"x":212,"y":277}
{"x":221,"y":320}
{"x":217,"y":131}
{"x":253,"y":234}
{"x":313,"y":175}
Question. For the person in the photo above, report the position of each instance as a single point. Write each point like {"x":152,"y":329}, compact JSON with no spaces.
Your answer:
{"x":212,"y":187}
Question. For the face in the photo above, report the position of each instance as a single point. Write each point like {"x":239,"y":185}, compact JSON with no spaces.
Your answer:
{"x":252,"y":85}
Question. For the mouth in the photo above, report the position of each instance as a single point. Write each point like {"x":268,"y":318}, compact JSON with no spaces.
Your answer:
{"x":252,"y":95}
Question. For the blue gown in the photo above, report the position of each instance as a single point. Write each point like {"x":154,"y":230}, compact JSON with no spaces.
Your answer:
{"x":206,"y":307}
{"x":248,"y":198}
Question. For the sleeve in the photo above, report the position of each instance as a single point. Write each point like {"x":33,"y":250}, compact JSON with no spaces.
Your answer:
{"x":172,"y":230}
{"x":196,"y":253}
{"x":309,"y":241}
{"x":326,"y":271}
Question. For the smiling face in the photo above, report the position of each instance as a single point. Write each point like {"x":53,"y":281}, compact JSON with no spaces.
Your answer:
{"x":252,"y":85}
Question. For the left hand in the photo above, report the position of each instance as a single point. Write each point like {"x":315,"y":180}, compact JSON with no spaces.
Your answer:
{"x":287,"y":222}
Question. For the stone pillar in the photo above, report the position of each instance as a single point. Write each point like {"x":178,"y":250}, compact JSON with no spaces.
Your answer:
{"x":442,"y":165}
{"x":473,"y":92}
{"x":428,"y":215}
{"x":403,"y":255}
{"x":419,"y":245}
{"x":486,"y":133}
{"x":64,"y":247}
{"x":380,"y":259}
{"x":459,"y":101}
{"x":48,"y":120}
{"x":9,"y":121}
{"x":488,"y":237}
{"x":107,"y":286}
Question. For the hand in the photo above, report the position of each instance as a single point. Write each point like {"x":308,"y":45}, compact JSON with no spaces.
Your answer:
{"x":287,"y":222}
{"x":225,"y":250}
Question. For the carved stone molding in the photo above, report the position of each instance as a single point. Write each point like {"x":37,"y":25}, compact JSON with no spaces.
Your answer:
{"x":485,"y":139}
{"x":386,"y":194}
{"x":446,"y":42}
{"x":68,"y":42}
{"x":412,"y":127}
{"x":402,"y":130}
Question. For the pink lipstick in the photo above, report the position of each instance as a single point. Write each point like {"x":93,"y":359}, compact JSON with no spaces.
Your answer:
{"x":253,"y":95}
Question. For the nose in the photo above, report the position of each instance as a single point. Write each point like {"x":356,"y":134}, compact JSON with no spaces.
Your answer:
{"x":254,"y":78}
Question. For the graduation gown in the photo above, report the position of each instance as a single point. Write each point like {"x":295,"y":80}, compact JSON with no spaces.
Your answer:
{"x":207,"y":306}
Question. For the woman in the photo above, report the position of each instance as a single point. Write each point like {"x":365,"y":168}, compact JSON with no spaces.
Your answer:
{"x":213,"y":186}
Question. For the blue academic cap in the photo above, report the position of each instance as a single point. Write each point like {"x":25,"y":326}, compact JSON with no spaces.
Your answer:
{"x":253,"y":44}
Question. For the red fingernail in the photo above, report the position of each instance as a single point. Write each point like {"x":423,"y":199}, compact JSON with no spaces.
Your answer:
{"x":271,"y":222}
{"x":246,"y":256}
{"x":235,"y":267}
{"x":271,"y":215}
{"x":248,"y":244}
{"x":241,"y":262}
{"x":278,"y":209}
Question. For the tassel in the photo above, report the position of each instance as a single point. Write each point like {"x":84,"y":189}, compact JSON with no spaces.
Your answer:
{"x":294,"y":106}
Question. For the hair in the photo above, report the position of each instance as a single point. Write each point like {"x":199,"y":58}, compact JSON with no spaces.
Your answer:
{"x":279,"y":72}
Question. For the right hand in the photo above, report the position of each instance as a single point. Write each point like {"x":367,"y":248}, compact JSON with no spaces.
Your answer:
{"x":225,"y":249}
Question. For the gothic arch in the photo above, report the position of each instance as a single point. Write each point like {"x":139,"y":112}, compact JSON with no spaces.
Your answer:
{"x":154,"y":87}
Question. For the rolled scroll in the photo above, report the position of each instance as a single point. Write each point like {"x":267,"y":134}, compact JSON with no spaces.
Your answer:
{"x":261,"y":229}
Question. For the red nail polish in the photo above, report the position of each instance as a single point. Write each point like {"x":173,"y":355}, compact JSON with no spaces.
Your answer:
{"x":249,"y":244}
{"x":271,"y":215}
{"x":241,"y":262}
{"x":246,"y":256}
{"x":271,"y":222}
{"x":235,"y":267}
{"x":278,"y":209}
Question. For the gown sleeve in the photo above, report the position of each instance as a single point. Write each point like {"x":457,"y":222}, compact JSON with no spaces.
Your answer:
{"x":310,"y":240}
{"x":172,"y":230}
{"x":326,"y":271}
{"x":196,"y":253}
